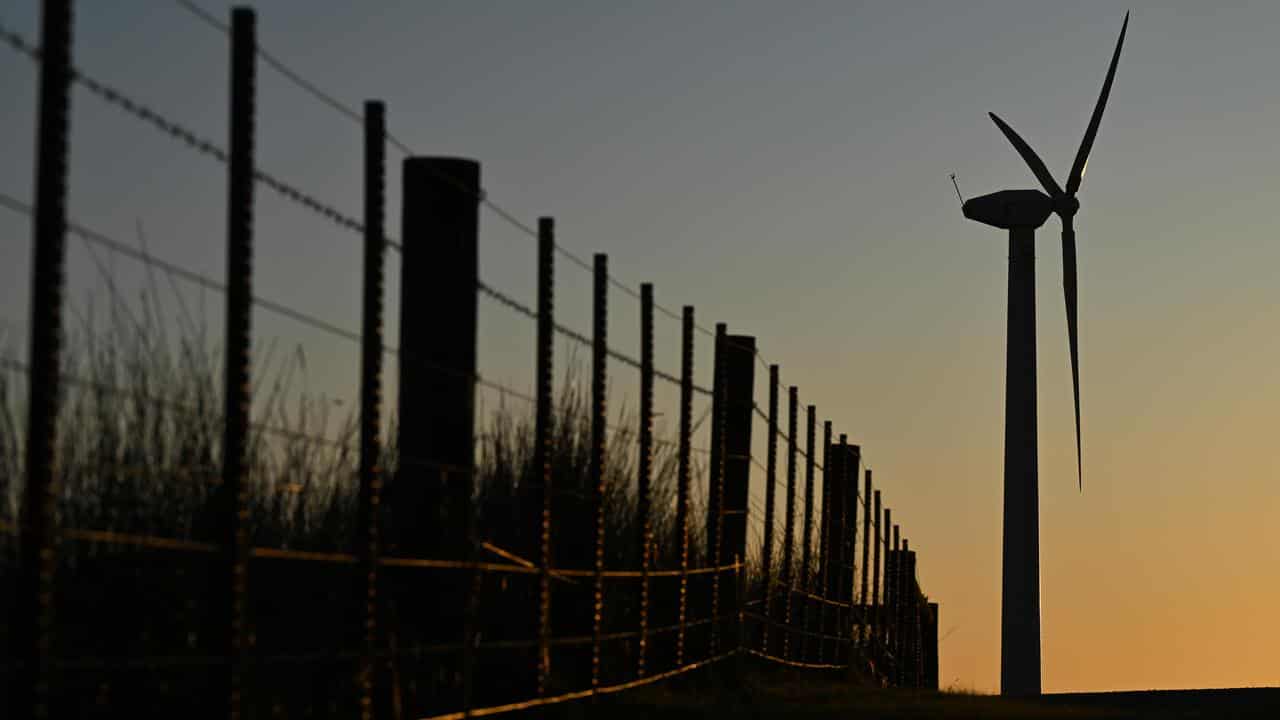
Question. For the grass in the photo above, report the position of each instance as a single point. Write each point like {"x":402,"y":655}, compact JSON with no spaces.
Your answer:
{"x":139,"y":450}
{"x":139,"y":453}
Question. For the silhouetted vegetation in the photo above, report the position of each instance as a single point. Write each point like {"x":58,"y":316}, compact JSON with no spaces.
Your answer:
{"x":139,"y":454}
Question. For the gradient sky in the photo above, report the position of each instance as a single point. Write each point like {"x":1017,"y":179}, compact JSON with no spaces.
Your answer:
{"x":783,"y":168}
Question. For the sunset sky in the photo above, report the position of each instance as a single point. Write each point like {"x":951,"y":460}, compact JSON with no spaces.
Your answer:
{"x":784,"y":169}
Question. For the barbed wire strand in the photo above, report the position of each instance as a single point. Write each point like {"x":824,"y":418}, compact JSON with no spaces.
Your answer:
{"x":351,"y":113}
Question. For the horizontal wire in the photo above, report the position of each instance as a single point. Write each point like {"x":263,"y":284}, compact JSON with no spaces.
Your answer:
{"x":792,"y":628}
{"x":209,"y":148}
{"x":356,"y":117}
{"x":793,"y":663}
{"x":577,"y":695}
{"x":278,"y":308}
{"x":174,"y":407}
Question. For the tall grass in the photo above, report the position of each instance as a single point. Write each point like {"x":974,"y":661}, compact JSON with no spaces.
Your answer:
{"x":138,"y":452}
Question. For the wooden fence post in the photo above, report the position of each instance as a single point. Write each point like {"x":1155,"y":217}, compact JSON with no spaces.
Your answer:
{"x":542,"y":440}
{"x":887,"y":612}
{"x":806,"y":560}
{"x":33,"y":622}
{"x":789,"y":525}
{"x":904,"y":627}
{"x":895,"y":604}
{"x":739,"y":407}
{"x":371,"y":397}
{"x":438,"y":358}
{"x":429,"y":499}
{"x":930,"y":681}
{"x":599,"y":428}
{"x":645,"y":466}
{"x":770,"y":500}
{"x":824,"y":544}
{"x":233,"y":510}
{"x":683,"y":472}
{"x":863,"y":613}
{"x":851,"y":543}
{"x":877,"y":621}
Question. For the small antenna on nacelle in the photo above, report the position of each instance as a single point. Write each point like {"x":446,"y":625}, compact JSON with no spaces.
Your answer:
{"x":957,"y":186}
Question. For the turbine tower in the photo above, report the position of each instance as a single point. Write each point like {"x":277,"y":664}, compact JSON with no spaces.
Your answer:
{"x":1021,"y":212}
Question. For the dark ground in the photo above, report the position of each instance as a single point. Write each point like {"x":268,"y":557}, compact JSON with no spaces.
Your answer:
{"x":768,"y":692}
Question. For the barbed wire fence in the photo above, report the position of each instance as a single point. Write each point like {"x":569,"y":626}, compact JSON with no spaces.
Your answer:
{"x":580,"y":607}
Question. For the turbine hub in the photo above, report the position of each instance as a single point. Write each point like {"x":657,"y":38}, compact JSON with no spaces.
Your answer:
{"x":1066,"y":206}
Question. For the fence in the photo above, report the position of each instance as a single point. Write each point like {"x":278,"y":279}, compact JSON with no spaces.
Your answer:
{"x":433,"y":609}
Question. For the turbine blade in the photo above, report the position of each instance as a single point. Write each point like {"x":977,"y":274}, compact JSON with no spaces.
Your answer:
{"x":1086,"y":145}
{"x":1069,"y":292}
{"x":1033,"y":161}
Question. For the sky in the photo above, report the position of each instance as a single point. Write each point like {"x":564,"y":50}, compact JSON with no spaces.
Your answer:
{"x":784,"y":169}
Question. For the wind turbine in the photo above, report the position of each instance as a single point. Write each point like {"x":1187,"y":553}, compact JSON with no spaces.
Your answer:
{"x":1021,"y":212}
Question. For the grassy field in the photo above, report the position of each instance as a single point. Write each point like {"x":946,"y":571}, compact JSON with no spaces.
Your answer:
{"x":768,"y":692}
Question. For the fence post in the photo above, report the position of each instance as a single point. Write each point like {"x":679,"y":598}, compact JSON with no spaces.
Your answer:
{"x":739,"y":406}
{"x":542,"y":440}
{"x":371,"y":395}
{"x":863,"y":616}
{"x":788,"y":546}
{"x":895,"y":605}
{"x":645,"y":465}
{"x":824,"y":547}
{"x":851,"y":541}
{"x":683,"y":471}
{"x":889,"y":593}
{"x":429,"y":499}
{"x":439,"y":275}
{"x":770,"y":499}
{"x":599,"y":417}
{"x":913,"y":620}
{"x":901,"y":642}
{"x":904,"y":613}
{"x":715,"y":493}
{"x":931,"y":647}
{"x":806,"y":560}
{"x":233,"y":505}
{"x":877,"y":622}
{"x":835,"y":533}
{"x":33,"y":622}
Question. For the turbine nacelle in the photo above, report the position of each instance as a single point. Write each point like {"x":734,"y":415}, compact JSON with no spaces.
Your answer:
{"x":1010,"y":209}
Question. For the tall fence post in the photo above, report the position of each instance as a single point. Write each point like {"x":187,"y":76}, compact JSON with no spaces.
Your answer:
{"x":824,"y":530}
{"x":835,"y":533}
{"x":683,"y":472}
{"x":599,"y":417}
{"x":645,"y":466}
{"x":912,"y":596}
{"x":863,"y":614}
{"x":233,"y":510}
{"x":904,"y":618}
{"x":893,"y":571}
{"x":877,"y":622}
{"x":438,"y":359}
{"x":930,"y":681}
{"x":35,"y":612}
{"x":806,"y":560}
{"x":887,"y":612}
{"x":542,"y":440}
{"x":770,"y":500}
{"x":739,"y":406}
{"x":715,"y":491}
{"x":851,"y":542}
{"x":429,"y":499}
{"x":371,"y":395}
{"x":789,"y":526}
